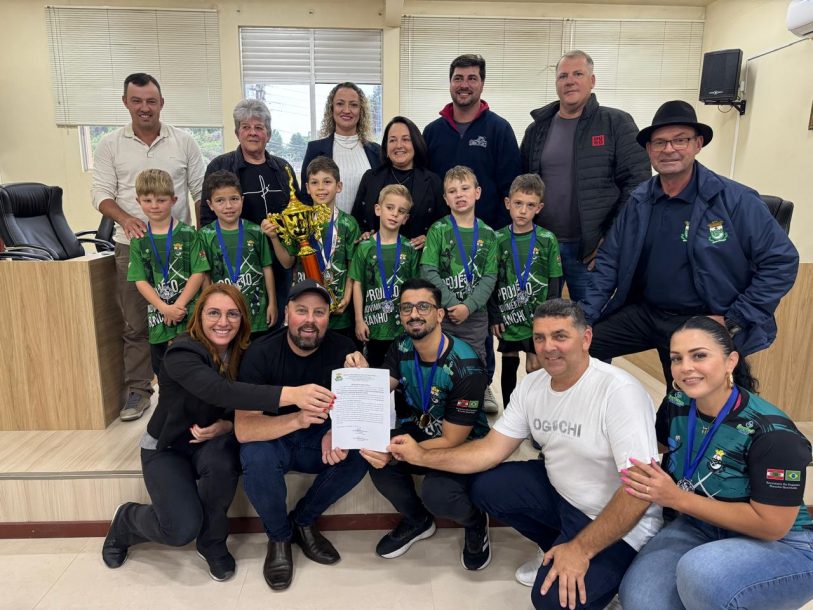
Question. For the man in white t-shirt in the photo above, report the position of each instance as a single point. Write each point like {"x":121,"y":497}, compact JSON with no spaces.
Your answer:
{"x":589,"y":418}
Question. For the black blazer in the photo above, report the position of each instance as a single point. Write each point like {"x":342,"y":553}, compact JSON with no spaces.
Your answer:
{"x":324,"y":148}
{"x":427,"y":200}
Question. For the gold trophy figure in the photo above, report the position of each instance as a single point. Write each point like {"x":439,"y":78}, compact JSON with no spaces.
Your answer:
{"x":295,"y":225}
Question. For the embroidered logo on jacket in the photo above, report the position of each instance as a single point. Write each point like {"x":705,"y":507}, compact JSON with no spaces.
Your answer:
{"x":684,"y":237}
{"x":598,"y":140}
{"x":479,"y":141}
{"x":717,"y":233}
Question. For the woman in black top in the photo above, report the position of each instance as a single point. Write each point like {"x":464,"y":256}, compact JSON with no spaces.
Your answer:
{"x":189,"y":456}
{"x":405,"y":161}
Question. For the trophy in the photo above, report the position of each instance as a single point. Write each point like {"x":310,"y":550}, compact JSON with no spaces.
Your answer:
{"x":295,"y":226}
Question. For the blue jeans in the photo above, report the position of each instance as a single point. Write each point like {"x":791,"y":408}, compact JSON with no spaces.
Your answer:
{"x":521,"y":495}
{"x":265,"y":464}
{"x":575,"y":272}
{"x":691,"y":564}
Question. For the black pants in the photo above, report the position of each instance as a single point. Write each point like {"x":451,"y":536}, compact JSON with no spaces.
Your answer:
{"x":636,"y":328}
{"x":443,"y":494}
{"x":191,"y":489}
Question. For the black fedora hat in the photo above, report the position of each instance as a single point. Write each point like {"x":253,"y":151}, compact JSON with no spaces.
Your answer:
{"x":676,"y":112}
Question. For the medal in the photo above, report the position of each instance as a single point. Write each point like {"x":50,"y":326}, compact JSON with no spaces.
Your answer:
{"x":685,"y":485}
{"x":522,"y":297}
{"x":388,"y":286}
{"x":468,"y":270}
{"x":522,"y":275}
{"x":426,"y":390}
{"x":232,"y":270}
{"x":325,"y":252}
{"x":164,"y":264}
{"x":327,"y":275}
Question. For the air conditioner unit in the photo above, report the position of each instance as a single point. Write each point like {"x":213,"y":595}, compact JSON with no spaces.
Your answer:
{"x":800,"y":18}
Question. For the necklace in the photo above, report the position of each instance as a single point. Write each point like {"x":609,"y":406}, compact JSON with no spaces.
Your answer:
{"x":343,"y":140}
{"x":408,"y":175}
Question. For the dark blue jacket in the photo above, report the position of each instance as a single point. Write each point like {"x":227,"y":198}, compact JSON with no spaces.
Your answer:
{"x":489,"y":148}
{"x":324,"y":148}
{"x":742,"y":261}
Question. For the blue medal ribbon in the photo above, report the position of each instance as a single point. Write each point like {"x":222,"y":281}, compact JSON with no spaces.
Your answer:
{"x":233,"y":271}
{"x":327,"y":246}
{"x":690,"y":465}
{"x":522,"y":278}
{"x":387,"y":286}
{"x":426,"y":390}
{"x":469,"y":272}
{"x":164,"y":265}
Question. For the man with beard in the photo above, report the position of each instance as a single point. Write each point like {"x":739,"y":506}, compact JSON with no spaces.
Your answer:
{"x":443,"y":383}
{"x":298,"y":359}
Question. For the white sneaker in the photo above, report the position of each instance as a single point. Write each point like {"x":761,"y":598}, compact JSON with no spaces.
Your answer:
{"x":490,"y":402}
{"x":526,"y":573}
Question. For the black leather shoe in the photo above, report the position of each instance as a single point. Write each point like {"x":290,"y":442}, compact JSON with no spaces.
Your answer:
{"x":315,"y":546}
{"x":278,"y":569}
{"x":114,"y":554}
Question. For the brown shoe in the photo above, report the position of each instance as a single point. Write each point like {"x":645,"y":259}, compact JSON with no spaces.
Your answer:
{"x":278,"y":568}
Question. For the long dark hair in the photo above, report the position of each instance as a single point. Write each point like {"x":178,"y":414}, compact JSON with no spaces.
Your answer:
{"x":240,"y":342}
{"x":718,"y":332}
{"x":421,"y":158}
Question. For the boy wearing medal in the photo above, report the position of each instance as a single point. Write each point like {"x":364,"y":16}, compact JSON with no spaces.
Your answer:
{"x":335,"y":246}
{"x":238,"y":252}
{"x":460,"y":259}
{"x":528,"y":272}
{"x":381,"y":264}
{"x":167,"y":264}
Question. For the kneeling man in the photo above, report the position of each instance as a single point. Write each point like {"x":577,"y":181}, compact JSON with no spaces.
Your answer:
{"x":299,"y":358}
{"x":589,"y":418}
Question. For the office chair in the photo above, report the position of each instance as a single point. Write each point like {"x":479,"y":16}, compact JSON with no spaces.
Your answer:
{"x":781,"y":209}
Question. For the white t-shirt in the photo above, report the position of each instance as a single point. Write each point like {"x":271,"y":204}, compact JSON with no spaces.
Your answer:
{"x":587,"y":434}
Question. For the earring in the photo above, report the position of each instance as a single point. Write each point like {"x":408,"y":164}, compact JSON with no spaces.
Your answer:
{"x":729,"y":380}
{"x":675,"y":386}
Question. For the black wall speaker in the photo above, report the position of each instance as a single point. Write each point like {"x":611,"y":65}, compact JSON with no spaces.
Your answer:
{"x":721,"y":76}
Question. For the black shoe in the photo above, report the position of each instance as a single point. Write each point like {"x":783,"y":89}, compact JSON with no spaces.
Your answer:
{"x":315,"y":546}
{"x":398,"y":541}
{"x":220,"y":568}
{"x":476,"y":553}
{"x":278,"y":568}
{"x":114,"y":553}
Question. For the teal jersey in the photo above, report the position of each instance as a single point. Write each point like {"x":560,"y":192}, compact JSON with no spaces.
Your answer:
{"x":187,"y":256}
{"x":345,"y":234}
{"x":457,"y":388}
{"x":250,"y":279}
{"x":384,"y":325}
{"x":545,"y":264}
{"x":757,"y":453}
{"x":441,"y":252}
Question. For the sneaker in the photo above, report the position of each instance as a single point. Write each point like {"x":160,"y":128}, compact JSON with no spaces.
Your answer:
{"x":526,"y":573}
{"x":135,"y":406}
{"x":398,"y":541}
{"x":476,"y":553}
{"x":220,"y":568}
{"x":490,"y":404}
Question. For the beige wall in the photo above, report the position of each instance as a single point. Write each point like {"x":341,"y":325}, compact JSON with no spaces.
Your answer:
{"x":774,"y":151}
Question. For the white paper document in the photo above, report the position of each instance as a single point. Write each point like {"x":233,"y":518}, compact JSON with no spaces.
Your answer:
{"x":361,"y":413}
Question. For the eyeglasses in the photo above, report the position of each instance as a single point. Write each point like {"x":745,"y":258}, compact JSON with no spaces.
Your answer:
{"x":677,"y":144}
{"x":422,"y":307}
{"x":213,"y":315}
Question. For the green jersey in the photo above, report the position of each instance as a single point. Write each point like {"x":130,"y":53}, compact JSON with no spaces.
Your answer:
{"x":345,"y":233}
{"x":383,"y":319}
{"x":250,"y":280}
{"x":442,"y":252}
{"x":185,"y":258}
{"x":516,"y":311}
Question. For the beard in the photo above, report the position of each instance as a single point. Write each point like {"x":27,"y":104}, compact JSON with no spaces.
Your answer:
{"x":422,"y":331}
{"x":310,"y":343}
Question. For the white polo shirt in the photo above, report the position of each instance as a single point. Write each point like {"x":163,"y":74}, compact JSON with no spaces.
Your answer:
{"x":120,"y":156}
{"x":587,"y":434}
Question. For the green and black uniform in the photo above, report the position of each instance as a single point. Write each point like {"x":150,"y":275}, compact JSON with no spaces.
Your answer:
{"x":345,"y":233}
{"x":255,"y":256}
{"x":757,"y":453}
{"x":442,"y":265}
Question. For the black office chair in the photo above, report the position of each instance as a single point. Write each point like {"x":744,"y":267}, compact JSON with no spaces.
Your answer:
{"x":103,"y":235}
{"x":781,"y":209}
{"x":33,"y":226}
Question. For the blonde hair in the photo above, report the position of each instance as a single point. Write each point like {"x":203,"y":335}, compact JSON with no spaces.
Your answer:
{"x":363,"y":129}
{"x":154,"y":182}
{"x":399,"y":190}
{"x":460,"y":173}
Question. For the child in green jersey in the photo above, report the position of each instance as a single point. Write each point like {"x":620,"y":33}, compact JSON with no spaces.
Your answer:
{"x":380,"y":265}
{"x":334,"y":247}
{"x":529,"y":268}
{"x":167,"y":264}
{"x":238,"y":252}
{"x":459,"y":257}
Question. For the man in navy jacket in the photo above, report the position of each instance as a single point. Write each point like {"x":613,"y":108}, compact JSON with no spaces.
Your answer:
{"x":687,"y":242}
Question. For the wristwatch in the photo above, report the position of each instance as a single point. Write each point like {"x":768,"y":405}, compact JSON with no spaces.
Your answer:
{"x":732,"y":327}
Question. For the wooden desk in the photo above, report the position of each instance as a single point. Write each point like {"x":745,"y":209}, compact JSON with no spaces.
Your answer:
{"x":61,"y":365}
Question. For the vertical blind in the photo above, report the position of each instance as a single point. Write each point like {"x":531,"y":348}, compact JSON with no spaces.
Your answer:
{"x":93,"y":50}
{"x":638,"y":64}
